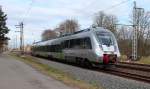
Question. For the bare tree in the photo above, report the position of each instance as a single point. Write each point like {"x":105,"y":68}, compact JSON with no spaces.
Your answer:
{"x":124,"y":33}
{"x":124,"y":40}
{"x":107,"y":21}
{"x":48,"y":34}
{"x":100,"y":19}
{"x":68,"y":26}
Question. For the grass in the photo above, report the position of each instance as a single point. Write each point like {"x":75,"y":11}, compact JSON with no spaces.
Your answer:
{"x":144,"y":60}
{"x":123,"y":58}
{"x":56,"y":74}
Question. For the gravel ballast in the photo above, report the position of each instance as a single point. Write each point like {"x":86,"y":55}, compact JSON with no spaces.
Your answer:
{"x":107,"y":81}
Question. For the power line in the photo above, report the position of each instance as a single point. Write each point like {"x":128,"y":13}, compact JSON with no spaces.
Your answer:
{"x":28,"y":10}
{"x":112,"y":7}
{"x":109,"y":8}
{"x":116,"y":5}
{"x":86,"y":6}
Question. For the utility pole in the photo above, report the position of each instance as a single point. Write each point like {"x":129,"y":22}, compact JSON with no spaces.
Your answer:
{"x":137,"y":12}
{"x":21,"y":26}
{"x":16,"y":41}
{"x":134,"y":40}
{"x":14,"y":44}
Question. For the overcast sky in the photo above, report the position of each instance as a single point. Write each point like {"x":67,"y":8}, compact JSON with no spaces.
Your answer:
{"x":39,"y":15}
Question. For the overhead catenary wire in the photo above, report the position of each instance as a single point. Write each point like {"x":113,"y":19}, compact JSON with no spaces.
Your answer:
{"x":28,"y":10}
{"x":109,"y":8}
{"x":116,"y":5}
{"x":112,"y":7}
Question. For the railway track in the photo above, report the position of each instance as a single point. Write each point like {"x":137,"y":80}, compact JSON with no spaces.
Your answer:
{"x":135,"y":66}
{"x":140,"y":72}
{"x":87,"y":75}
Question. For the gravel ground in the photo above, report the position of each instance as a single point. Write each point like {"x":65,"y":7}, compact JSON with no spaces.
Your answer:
{"x":105,"y":80}
{"x":15,"y":74}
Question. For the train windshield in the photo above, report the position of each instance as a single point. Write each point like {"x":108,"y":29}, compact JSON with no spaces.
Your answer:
{"x":105,"y":38}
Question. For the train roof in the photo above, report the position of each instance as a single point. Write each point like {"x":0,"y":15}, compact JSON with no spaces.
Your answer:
{"x":77,"y":33}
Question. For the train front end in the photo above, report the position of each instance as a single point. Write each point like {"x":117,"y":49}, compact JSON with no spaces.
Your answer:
{"x":107,"y":48}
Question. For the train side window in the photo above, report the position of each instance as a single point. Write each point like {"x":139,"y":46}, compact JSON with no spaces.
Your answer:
{"x":40,"y":48}
{"x":52,"y":48}
{"x":37,"y":48}
{"x":62,"y":45}
{"x":59,"y":48}
{"x":72,"y":43}
{"x":82,"y":43}
{"x":66,"y":44}
{"x":43,"y":48}
{"x":77,"y":43}
{"x":46,"y":48}
{"x":86,"y":43}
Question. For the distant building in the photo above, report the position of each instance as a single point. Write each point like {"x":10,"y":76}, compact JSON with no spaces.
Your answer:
{"x":27,"y":49}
